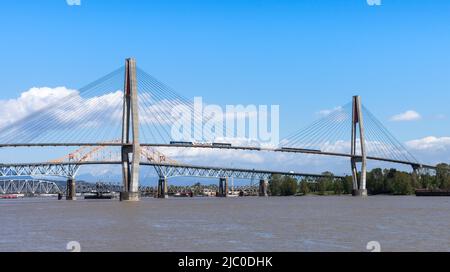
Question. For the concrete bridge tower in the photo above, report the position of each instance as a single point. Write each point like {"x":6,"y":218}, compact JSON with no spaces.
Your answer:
{"x":71,"y":193}
{"x":131,"y":148}
{"x":359,"y":179}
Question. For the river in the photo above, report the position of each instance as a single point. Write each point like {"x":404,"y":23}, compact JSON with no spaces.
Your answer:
{"x":311,"y":223}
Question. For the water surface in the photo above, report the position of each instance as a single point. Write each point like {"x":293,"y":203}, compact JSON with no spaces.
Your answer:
{"x":240,"y":224}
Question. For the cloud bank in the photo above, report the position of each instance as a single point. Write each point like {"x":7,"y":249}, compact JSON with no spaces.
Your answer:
{"x":431,"y":149}
{"x":409,"y":115}
{"x":30,"y":101}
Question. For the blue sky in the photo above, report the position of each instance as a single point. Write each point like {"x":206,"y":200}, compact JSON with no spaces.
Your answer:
{"x":306,"y":56}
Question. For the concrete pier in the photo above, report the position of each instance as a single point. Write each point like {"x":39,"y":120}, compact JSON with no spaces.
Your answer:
{"x":263,"y":186}
{"x":162,"y":188}
{"x":129,"y":196}
{"x":223,"y":188}
{"x":359,"y":192}
{"x":71,"y":193}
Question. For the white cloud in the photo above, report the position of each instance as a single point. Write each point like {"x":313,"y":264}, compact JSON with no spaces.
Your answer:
{"x":431,"y":149}
{"x":39,"y":112}
{"x":327,"y":112}
{"x":430,"y":143}
{"x":409,"y":115}
{"x":31,"y":101}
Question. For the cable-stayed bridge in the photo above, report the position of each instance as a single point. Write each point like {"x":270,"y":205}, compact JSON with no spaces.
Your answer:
{"x":127,"y":120}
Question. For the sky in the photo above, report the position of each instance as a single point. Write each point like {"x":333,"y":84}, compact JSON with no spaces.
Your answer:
{"x":306,"y":56}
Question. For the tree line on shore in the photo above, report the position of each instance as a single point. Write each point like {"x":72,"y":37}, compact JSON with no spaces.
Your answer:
{"x":379,"y":181}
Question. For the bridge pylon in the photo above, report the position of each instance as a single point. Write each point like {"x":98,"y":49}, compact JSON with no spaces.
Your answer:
{"x":131,"y":148}
{"x":223,"y":188}
{"x":71,"y":193}
{"x":163,"y":191}
{"x":263,"y":185}
{"x":359,"y":179}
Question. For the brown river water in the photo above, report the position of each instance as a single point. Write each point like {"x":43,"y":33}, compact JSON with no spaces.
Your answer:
{"x":312,"y":223}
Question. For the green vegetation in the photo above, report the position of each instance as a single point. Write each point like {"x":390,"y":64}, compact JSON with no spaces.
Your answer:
{"x":283,"y":186}
{"x":379,"y":181}
{"x":392,"y":181}
{"x":304,"y":187}
{"x":443,"y":176}
{"x":328,"y":185}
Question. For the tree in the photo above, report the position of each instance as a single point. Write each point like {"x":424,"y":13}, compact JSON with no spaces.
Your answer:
{"x":443,"y":176}
{"x":304,"y":187}
{"x":275,"y":185}
{"x":338,"y":187}
{"x":197,"y":188}
{"x":348,"y":185}
{"x":401,"y":184}
{"x":288,"y":186}
{"x":375,"y":181}
{"x":325,"y":183}
{"x":428,"y":181}
{"x":389,"y":176}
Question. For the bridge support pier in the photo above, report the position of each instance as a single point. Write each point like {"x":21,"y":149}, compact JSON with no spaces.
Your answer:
{"x":131,"y":148}
{"x":223,"y":188}
{"x":71,"y":193}
{"x":162,"y":188}
{"x":359,"y":181}
{"x":417,"y":174}
{"x":263,"y":185}
{"x":359,"y":192}
{"x":129,"y":196}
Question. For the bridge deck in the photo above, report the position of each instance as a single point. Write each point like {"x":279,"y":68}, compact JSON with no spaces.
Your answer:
{"x":246,"y":148}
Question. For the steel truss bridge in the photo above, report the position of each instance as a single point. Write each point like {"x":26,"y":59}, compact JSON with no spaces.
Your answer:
{"x":28,"y":187}
{"x":143,"y":124}
{"x":69,"y":170}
